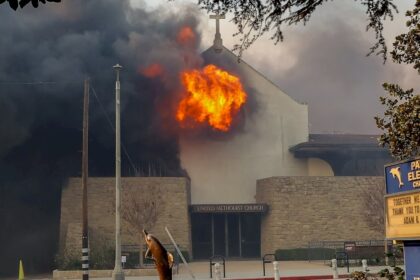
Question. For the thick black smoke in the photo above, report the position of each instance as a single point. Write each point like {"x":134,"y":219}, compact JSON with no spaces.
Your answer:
{"x":40,"y":123}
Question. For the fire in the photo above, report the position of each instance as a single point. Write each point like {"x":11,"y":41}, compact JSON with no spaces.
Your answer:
{"x":212,"y":95}
{"x":152,"y":71}
{"x":185,"y":35}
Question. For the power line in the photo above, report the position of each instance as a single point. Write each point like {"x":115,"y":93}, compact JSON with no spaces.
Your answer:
{"x":11,"y":83}
{"x":112,"y":127}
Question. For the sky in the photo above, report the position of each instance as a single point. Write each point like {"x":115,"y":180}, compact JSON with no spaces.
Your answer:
{"x":323,"y":63}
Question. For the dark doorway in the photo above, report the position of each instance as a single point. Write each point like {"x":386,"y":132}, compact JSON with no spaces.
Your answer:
{"x":250,"y":237}
{"x":219,"y":234}
{"x":201,"y":225}
{"x":232,"y":235}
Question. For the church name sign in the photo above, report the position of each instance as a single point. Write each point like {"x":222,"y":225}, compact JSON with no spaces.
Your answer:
{"x":402,"y":200}
{"x":232,"y":208}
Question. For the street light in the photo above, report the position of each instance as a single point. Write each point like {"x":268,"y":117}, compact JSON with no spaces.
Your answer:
{"x":118,"y":273}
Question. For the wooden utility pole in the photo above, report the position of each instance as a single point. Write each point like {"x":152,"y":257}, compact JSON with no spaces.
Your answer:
{"x":85,"y":238}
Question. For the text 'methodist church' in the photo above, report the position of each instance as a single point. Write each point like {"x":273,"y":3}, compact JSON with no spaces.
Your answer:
{"x":271,"y":186}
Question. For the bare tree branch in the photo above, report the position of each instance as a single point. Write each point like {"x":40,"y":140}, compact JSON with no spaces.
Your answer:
{"x":141,"y":209}
{"x":401,"y":120}
{"x":253,"y":18}
{"x":14,"y":4}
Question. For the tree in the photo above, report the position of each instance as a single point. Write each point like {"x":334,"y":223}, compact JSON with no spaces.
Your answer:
{"x":22,"y":3}
{"x":254,"y":18}
{"x":401,"y":120}
{"x":141,"y":210}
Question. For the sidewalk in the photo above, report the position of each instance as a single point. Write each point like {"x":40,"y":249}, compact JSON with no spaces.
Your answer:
{"x":250,"y":269}
{"x":253,"y":269}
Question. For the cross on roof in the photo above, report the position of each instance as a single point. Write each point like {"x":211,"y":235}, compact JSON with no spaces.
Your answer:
{"x":218,"y":42}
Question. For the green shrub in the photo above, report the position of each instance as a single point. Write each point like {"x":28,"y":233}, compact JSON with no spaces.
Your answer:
{"x":300,"y":254}
{"x":133,"y":260}
{"x":68,"y":262}
{"x":358,"y":275}
{"x":102,"y":257}
{"x":397,"y":274}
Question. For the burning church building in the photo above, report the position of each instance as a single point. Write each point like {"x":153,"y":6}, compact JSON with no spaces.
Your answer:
{"x":257,"y":180}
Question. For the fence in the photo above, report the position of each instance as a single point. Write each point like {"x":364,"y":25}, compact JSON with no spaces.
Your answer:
{"x":371,"y":250}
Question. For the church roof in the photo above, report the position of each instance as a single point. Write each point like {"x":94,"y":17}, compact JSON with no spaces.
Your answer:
{"x":221,"y":56}
{"x":319,"y":144}
{"x":230,"y":61}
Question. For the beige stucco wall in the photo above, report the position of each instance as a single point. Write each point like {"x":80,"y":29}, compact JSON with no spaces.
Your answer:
{"x":304,"y":209}
{"x":319,"y":167}
{"x":172,"y":212}
{"x":225,"y":169}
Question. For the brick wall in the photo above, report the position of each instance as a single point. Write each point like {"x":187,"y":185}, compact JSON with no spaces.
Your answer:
{"x":301,"y":209}
{"x":172,"y":211}
{"x":304,"y":209}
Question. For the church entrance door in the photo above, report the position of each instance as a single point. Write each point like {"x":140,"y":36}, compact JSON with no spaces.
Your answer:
{"x":232,"y":235}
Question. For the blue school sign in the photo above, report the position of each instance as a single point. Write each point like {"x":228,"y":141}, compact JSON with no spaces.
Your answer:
{"x":402,"y":207}
{"x":402,"y":176}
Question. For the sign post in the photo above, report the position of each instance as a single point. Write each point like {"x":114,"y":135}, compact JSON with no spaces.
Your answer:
{"x":349,"y":246}
{"x":402,"y":211}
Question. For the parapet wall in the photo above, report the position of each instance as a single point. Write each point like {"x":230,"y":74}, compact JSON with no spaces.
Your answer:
{"x":304,"y":209}
{"x":172,"y":211}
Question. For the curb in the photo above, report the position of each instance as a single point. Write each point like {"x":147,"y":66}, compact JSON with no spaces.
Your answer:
{"x":310,"y":277}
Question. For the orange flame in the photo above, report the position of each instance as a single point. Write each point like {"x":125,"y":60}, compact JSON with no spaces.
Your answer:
{"x":152,"y":71}
{"x":185,"y":36}
{"x":212,"y":95}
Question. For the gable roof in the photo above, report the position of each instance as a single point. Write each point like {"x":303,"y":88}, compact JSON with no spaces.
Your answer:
{"x":227,"y":59}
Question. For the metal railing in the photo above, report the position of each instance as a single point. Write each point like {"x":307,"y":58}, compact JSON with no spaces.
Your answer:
{"x":356,"y":250}
{"x":342,"y":256}
{"x":212,"y":263}
{"x":267,"y":258}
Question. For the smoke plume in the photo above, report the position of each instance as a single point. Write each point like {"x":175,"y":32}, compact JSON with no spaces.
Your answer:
{"x":45,"y":54}
{"x":324,"y":64}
